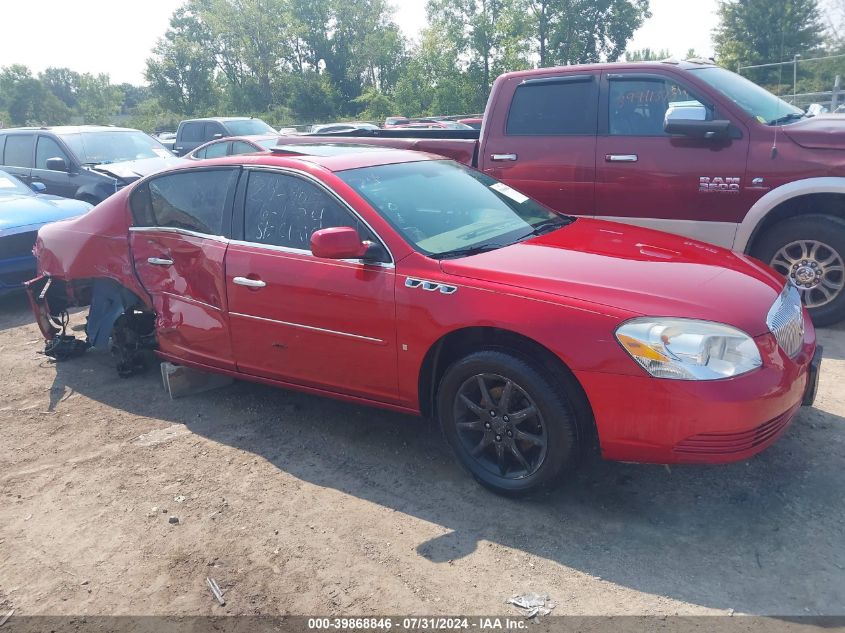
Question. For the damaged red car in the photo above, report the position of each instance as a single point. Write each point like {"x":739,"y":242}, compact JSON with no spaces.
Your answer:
{"x":397,"y":279}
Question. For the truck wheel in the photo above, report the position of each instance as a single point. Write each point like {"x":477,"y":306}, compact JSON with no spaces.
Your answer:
{"x":810,"y":250}
{"x":509,"y":427}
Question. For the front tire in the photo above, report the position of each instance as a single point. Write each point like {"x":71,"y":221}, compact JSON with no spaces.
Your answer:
{"x":810,"y":251}
{"x":507,"y":423}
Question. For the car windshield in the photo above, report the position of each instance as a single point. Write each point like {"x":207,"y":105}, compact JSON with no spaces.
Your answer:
{"x":447,"y":210}
{"x":102,"y":148}
{"x":9,"y":185}
{"x":756,"y":101}
{"x":247,"y":127}
{"x":268,"y":143}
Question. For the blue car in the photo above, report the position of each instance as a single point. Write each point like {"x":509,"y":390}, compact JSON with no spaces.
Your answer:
{"x":22,"y":212}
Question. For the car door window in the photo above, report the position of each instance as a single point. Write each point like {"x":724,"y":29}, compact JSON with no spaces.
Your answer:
{"x":192,"y":200}
{"x":216,"y":150}
{"x":213,"y":128}
{"x":239,"y":147}
{"x":48,"y":148}
{"x":18,"y":150}
{"x":285,"y":210}
{"x":192,"y":132}
{"x":2,"y":147}
{"x":555,"y":107}
{"x":638,"y":106}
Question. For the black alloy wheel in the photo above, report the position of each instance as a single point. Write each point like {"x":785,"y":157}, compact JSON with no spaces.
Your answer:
{"x":510,"y":424}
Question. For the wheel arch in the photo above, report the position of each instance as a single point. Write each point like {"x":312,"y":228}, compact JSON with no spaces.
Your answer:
{"x":820,"y":196}
{"x":458,"y":343}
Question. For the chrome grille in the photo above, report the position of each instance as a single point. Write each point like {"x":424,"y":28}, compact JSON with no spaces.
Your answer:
{"x":786,"y":320}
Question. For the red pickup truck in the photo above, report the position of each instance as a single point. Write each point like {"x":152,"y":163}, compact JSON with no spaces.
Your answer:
{"x":685,"y":147}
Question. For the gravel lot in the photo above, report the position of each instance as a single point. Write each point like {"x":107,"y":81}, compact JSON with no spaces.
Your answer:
{"x":302,"y":505}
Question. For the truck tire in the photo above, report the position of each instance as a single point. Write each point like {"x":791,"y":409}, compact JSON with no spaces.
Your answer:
{"x":507,"y":424}
{"x":810,"y":250}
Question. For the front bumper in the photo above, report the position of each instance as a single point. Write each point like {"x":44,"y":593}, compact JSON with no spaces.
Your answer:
{"x":645,"y":419}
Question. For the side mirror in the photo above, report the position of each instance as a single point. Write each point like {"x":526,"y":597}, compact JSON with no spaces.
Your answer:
{"x":217,"y":136}
{"x":690,"y":119}
{"x":57,"y":164}
{"x":340,"y":242}
{"x":38,"y":187}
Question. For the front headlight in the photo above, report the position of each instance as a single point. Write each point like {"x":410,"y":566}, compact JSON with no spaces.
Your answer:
{"x":686,"y":349}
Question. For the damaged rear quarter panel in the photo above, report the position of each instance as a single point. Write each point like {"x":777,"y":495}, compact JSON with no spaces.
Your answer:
{"x":93,"y":246}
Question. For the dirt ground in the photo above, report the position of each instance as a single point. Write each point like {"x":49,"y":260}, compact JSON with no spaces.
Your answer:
{"x":302,"y":505}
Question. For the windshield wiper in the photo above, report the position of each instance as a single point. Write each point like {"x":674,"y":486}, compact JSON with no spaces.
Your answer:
{"x":470,"y":250}
{"x":550,"y":225}
{"x":786,"y":118}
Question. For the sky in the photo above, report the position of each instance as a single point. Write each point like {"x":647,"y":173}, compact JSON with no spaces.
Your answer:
{"x":106,"y":36}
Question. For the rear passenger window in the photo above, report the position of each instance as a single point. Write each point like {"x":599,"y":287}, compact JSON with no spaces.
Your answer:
{"x":191,"y":200}
{"x":554,"y":108}
{"x":18,"y":150}
{"x":239,"y":147}
{"x":216,"y":150}
{"x":192,"y":133}
{"x":283,"y":210}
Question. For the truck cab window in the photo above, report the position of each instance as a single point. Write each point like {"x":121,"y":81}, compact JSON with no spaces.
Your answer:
{"x":554,"y":108}
{"x":638,"y":107}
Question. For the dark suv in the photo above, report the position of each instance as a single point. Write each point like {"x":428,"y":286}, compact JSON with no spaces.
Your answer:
{"x":195,"y":132}
{"x":85,"y":162}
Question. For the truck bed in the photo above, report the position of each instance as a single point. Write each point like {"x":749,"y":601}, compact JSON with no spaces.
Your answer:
{"x":459,"y":145}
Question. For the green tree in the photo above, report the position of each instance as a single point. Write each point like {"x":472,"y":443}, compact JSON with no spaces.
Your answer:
{"x":181,"y":70}
{"x":26,"y":101}
{"x":98,"y":99}
{"x":754,"y":32}
{"x":647,"y":55}
{"x":487,"y":35}
{"x":582,"y":31}
{"x":62,"y":82}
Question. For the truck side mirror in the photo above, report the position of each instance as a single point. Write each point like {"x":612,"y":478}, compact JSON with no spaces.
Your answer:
{"x":57,"y":164}
{"x":690,"y":119}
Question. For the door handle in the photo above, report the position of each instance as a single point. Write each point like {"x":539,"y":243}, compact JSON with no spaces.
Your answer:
{"x":159,"y":261}
{"x":249,"y":283}
{"x":621,"y":158}
{"x":502,"y":157}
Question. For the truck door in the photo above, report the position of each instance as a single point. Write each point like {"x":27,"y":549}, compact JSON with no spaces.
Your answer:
{"x":541,"y":139}
{"x":690,"y":186}
{"x":178,"y":248}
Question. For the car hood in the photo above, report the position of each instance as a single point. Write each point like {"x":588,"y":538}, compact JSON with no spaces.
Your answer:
{"x":20,"y":212}
{"x":636,"y":270}
{"x":818,"y":132}
{"x":132,"y":170}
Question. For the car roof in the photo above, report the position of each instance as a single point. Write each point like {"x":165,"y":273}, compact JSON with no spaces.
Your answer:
{"x":688,"y":64}
{"x":221,"y":118}
{"x":70,"y":129}
{"x":331,"y":156}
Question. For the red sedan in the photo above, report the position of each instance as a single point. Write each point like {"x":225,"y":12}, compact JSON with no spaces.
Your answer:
{"x":399,"y":280}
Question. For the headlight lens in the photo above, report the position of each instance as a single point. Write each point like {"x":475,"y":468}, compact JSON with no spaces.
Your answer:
{"x":686,"y":349}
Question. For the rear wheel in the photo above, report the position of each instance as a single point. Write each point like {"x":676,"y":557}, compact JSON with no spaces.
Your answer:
{"x":810,"y":251}
{"x":508,"y":425}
